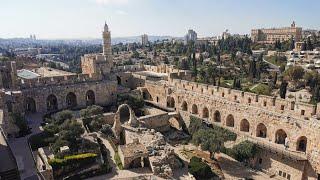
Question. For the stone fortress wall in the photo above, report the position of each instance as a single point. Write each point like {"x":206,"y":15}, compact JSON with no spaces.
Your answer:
{"x":265,"y":119}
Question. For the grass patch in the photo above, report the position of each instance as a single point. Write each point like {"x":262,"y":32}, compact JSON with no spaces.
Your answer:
{"x":118,"y":160}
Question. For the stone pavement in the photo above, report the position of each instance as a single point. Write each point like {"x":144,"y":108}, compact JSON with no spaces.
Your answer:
{"x":21,"y":151}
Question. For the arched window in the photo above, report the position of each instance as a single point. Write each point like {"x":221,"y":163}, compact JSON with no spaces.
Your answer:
{"x":52,"y":103}
{"x":280,"y":136}
{"x":230,"y":121}
{"x":184,"y":106}
{"x":205,"y":112}
{"x":71,"y":100}
{"x":90,"y":98}
{"x":30,"y":105}
{"x":170,"y":102}
{"x":302,"y":144}
{"x":216,"y":116}
{"x":194,"y":109}
{"x":244,"y":125}
{"x":261,"y":131}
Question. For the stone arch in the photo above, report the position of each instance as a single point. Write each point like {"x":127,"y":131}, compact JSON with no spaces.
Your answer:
{"x":194,"y":109}
{"x":71,"y":100}
{"x":119,"y":80}
{"x":281,"y":135}
{"x":170,"y":102}
{"x":205,"y":112}
{"x":302,"y":144}
{"x":90,"y":98}
{"x":52,"y":103}
{"x":184,"y":106}
{"x":217,"y":116}
{"x":175,"y":123}
{"x":123,"y":115}
{"x":261,"y":131}
{"x":244,"y":125}
{"x":30,"y":105}
{"x":230,"y":121}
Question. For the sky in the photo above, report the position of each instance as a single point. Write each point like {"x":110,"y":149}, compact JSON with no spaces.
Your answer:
{"x":74,"y":19}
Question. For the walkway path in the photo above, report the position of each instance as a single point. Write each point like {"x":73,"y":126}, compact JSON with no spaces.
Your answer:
{"x":21,"y":151}
{"x":233,"y":169}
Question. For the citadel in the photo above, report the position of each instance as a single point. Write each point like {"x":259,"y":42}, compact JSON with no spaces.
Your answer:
{"x":266,"y":121}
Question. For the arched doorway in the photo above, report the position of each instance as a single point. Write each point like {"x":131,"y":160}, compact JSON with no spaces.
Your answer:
{"x":170,"y":102}
{"x":118,"y":80}
{"x":124,"y":113}
{"x":30,"y":105}
{"x":244,"y":125}
{"x":194,"y":109}
{"x":90,"y":98}
{"x":52,"y":103}
{"x":205,"y":112}
{"x":302,"y":144}
{"x":184,"y":106}
{"x":71,"y":100}
{"x":230,"y":121}
{"x":217,"y":116}
{"x":261,"y":131}
{"x":280,"y":136}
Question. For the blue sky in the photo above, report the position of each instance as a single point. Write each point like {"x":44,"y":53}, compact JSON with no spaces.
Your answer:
{"x":85,"y":18}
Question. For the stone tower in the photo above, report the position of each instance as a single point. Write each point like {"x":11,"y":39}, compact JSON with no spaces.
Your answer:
{"x":106,"y":34}
{"x":99,"y":65}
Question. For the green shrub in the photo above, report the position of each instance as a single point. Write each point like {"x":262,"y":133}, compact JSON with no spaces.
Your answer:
{"x":62,"y":116}
{"x":118,"y":160}
{"x":74,"y":161}
{"x":136,"y":102}
{"x":42,"y":139}
{"x":243,"y":151}
{"x":21,"y":123}
{"x":199,"y":169}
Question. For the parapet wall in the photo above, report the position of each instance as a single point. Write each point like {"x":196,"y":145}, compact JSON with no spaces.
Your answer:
{"x":128,"y":68}
{"x":57,"y":80}
{"x":276,"y":104}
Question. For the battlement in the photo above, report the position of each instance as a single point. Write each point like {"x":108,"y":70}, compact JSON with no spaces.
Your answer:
{"x":128,"y":68}
{"x":275,"y":104}
{"x":57,"y":80}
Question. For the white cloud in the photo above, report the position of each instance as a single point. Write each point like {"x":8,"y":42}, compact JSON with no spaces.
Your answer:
{"x":108,"y":2}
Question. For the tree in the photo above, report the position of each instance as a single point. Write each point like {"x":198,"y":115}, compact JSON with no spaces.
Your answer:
{"x":194,"y":67}
{"x":212,"y":74}
{"x":292,"y":43}
{"x":203,"y":75}
{"x":295,"y":73}
{"x":208,"y":140}
{"x":309,"y":45}
{"x":199,"y":169}
{"x":275,"y":79}
{"x":283,"y":89}
{"x":61,"y":116}
{"x":316,"y":94}
{"x":253,"y":69}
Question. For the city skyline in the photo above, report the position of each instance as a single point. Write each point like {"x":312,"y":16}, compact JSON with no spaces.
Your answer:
{"x":85,"y":18}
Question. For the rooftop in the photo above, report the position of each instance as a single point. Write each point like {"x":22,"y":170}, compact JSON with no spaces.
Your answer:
{"x":27,"y":74}
{"x":50,"y":72}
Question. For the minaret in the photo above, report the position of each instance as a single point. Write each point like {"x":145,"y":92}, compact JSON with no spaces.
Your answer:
{"x":107,"y":42}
